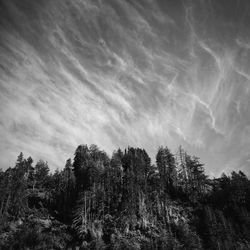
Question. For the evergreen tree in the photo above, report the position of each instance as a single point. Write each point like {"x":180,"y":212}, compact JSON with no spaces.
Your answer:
{"x":123,"y":202}
{"x":41,"y":173}
{"x":167,"y":169}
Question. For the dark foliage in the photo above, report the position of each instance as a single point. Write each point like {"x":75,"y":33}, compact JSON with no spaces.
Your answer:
{"x":125,"y":202}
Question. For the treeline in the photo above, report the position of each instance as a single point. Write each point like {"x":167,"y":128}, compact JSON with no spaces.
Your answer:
{"x":123,"y":202}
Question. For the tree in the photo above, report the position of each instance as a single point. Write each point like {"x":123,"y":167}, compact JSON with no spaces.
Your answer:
{"x":167,"y":169}
{"x":41,"y":173}
{"x":80,"y":167}
{"x":197,"y":178}
{"x":88,"y":166}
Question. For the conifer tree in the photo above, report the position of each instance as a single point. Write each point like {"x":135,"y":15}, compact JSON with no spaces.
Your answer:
{"x":167,"y":169}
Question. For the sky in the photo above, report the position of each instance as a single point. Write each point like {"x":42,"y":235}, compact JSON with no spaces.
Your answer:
{"x":120,"y":73}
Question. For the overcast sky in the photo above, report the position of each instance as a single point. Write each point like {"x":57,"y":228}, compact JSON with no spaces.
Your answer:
{"x":115,"y":73}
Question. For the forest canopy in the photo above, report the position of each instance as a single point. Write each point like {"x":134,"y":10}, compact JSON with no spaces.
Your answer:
{"x":123,"y":202}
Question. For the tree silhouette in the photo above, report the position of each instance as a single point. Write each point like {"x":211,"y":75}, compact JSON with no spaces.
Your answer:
{"x":123,"y":202}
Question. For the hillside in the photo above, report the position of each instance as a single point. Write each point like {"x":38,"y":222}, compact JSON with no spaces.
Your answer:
{"x":123,"y":202}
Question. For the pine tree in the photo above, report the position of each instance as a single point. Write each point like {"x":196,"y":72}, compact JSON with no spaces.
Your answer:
{"x":167,"y":169}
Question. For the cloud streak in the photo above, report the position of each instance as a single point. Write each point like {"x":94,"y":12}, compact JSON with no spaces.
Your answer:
{"x":119,"y":73}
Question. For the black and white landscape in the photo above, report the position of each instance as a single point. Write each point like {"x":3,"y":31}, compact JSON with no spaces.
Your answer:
{"x":162,"y":87}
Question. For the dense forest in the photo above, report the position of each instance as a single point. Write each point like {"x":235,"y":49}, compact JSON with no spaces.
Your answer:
{"x":123,"y":202}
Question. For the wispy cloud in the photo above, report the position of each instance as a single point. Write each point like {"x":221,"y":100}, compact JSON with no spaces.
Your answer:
{"x":119,"y":73}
